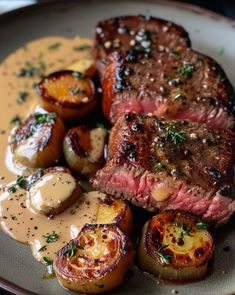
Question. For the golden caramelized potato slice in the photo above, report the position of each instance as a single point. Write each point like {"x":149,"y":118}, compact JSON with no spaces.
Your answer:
{"x":52,"y":190}
{"x":85,"y":66}
{"x":111,"y":210}
{"x":68,"y":93}
{"x":96,"y":261}
{"x":37,"y":143}
{"x":175,"y":246}
{"x":84,"y":149}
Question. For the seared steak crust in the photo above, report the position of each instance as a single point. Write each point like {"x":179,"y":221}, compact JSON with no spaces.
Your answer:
{"x":141,"y":33}
{"x":183,"y":84}
{"x":170,"y":165}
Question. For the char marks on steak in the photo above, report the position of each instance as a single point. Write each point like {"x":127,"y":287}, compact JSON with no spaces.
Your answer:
{"x":183,"y":84}
{"x":141,"y":33}
{"x":174,"y":165}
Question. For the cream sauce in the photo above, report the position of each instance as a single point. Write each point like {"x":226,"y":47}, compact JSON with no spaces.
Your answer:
{"x":35,"y":59}
{"x":40,"y":57}
{"x":22,"y":224}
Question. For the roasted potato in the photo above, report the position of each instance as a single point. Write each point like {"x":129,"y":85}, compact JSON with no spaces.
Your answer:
{"x":96,"y":261}
{"x":175,"y":246}
{"x":37,"y":143}
{"x":84,"y":149}
{"x":111,"y":210}
{"x":70,"y":94}
{"x":52,"y":190}
{"x":85,"y":66}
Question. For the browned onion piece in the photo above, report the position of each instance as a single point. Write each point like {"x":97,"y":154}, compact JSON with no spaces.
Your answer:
{"x":96,"y":261}
{"x":84,"y":149}
{"x":175,"y":246}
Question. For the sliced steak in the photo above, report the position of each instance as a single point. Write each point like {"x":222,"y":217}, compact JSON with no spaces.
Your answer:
{"x":183,"y":84}
{"x":141,"y":33}
{"x":174,"y":165}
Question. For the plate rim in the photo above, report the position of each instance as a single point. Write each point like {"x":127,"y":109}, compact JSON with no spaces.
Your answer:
{"x":6,"y":284}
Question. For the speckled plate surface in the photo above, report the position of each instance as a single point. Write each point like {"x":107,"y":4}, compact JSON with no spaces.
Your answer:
{"x":211,"y":34}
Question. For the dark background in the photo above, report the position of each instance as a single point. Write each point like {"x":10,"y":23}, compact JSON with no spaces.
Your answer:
{"x":224,"y":7}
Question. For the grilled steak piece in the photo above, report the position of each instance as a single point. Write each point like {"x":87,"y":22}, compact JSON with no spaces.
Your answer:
{"x":174,"y":165}
{"x":141,"y":33}
{"x":183,"y":84}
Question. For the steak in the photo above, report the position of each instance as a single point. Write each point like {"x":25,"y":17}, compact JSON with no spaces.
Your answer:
{"x":176,"y":165}
{"x":183,"y":84}
{"x":141,"y":33}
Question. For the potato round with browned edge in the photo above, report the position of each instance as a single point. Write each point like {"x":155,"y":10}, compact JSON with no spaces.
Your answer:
{"x":70,"y":94}
{"x":111,"y":210}
{"x":95,"y":262}
{"x":37,"y":142}
{"x":175,"y":246}
{"x":84,"y":149}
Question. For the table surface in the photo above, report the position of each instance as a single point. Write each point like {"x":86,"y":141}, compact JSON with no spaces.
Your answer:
{"x":226,"y":8}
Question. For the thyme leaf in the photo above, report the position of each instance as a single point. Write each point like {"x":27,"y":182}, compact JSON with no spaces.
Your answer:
{"x":51,"y":237}
{"x":47,"y":260}
{"x":22,"y":182}
{"x":165,"y":258}
{"x":174,"y":136}
{"x":158,"y":167}
{"x":187,"y":70}
{"x":202,"y":225}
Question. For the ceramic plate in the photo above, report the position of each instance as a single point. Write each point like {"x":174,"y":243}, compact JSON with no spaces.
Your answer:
{"x":211,"y":34}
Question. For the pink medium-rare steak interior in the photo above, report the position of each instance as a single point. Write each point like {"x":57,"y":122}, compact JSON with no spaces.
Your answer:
{"x":170,"y":165}
{"x":185,"y":85}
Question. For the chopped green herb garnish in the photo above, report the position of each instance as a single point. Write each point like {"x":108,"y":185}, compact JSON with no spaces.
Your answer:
{"x":175,"y":53}
{"x":185,"y":230}
{"x":43,"y":248}
{"x":173,"y":136}
{"x":202,"y":225}
{"x":168,"y":78}
{"x":16,"y":121}
{"x":47,"y":260}
{"x":100,"y":125}
{"x":22,"y":97}
{"x":82,"y":47}
{"x":34,"y":85}
{"x":22,"y":182}
{"x":76,"y":90}
{"x":71,"y":251}
{"x":11,"y":189}
{"x":51,"y":237}
{"x":54,"y":46}
{"x":187,"y":70}
{"x":181,"y":173}
{"x":221,"y":51}
{"x":77,"y":74}
{"x":44,"y":118}
{"x":158,"y":167}
{"x":72,"y":211}
{"x":166,"y":258}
